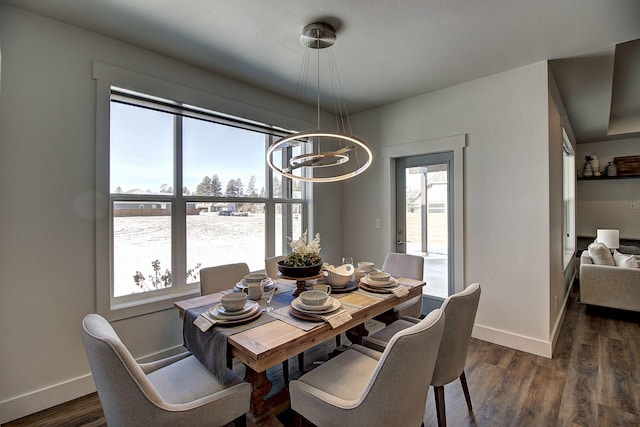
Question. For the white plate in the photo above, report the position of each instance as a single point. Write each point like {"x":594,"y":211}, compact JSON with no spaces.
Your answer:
{"x":223,"y":311}
{"x":218,"y":316}
{"x":328,"y":304}
{"x":379,"y":284}
{"x":335,"y":304}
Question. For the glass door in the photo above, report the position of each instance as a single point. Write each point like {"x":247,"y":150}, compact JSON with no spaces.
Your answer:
{"x":424,"y":219}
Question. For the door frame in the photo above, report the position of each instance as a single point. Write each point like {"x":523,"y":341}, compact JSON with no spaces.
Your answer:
{"x":455,"y":144}
{"x":404,"y":163}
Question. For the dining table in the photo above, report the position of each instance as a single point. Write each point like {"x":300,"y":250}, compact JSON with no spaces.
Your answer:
{"x":276,"y":336}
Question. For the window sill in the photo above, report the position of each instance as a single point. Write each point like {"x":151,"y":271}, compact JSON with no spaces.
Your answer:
{"x":140,"y":307}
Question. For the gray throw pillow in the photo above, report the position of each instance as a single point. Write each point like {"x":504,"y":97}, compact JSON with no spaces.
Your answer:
{"x":600,"y":254}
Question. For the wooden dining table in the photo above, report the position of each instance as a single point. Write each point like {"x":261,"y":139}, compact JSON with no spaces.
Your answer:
{"x":269,"y":344}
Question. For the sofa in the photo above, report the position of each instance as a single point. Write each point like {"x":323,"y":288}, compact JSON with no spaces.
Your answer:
{"x":611,"y":280}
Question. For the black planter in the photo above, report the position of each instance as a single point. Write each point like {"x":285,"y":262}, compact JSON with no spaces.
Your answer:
{"x":295,"y":272}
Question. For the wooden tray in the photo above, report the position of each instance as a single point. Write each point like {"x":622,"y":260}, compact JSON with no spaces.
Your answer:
{"x":628,"y":166}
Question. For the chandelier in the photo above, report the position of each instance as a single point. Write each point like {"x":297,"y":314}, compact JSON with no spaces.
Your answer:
{"x":321,"y":155}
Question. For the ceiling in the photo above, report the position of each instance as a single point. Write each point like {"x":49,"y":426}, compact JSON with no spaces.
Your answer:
{"x":387,"y":50}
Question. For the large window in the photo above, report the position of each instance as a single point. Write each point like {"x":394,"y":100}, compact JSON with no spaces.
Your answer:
{"x":189,"y":188}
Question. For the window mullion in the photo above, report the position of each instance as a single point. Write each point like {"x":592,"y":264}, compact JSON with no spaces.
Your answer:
{"x":179,"y":221}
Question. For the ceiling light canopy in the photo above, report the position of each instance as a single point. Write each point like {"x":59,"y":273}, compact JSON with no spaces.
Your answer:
{"x":321,"y":155}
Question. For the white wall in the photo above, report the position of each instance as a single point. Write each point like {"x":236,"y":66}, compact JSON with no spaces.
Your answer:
{"x":605,"y":204}
{"x":47,"y":173}
{"x":506,"y":200}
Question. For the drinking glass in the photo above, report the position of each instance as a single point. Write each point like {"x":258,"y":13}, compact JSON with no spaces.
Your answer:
{"x":268,"y":287}
{"x":348,"y":260}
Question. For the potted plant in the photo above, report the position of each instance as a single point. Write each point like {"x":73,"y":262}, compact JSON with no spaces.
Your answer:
{"x":304,"y":259}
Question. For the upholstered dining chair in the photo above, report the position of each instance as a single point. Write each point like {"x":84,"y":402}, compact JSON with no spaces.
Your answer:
{"x":174,"y":391}
{"x":362,"y":386}
{"x":271,"y":265}
{"x":411,"y":267}
{"x":221,"y":277}
{"x":460,"y":310}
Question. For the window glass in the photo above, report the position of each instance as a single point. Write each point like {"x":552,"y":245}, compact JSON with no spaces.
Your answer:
{"x":288,"y":225}
{"x":225,"y":233}
{"x":141,"y":151}
{"x":221,"y":160}
{"x":141,"y":247}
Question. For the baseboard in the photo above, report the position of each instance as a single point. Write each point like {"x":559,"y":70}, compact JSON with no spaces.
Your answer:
{"x":44,"y":398}
{"x":29,"y":403}
{"x":511,"y":340}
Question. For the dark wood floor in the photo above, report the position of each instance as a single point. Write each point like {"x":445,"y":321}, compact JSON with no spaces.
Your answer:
{"x":592,"y":380}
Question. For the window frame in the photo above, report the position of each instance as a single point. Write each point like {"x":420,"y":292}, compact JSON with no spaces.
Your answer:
{"x":115,"y":308}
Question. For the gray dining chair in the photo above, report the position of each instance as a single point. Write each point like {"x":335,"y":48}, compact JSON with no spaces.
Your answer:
{"x":221,"y":277}
{"x":177,"y":390}
{"x":411,"y":267}
{"x":460,"y":310}
{"x":364,"y":387}
{"x":271,"y":265}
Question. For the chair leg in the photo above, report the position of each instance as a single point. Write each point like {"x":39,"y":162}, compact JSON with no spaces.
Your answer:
{"x":300,"y":421}
{"x":338,"y":341}
{"x":241,"y":421}
{"x":285,"y":371}
{"x":440,"y":410}
{"x":465,"y":389}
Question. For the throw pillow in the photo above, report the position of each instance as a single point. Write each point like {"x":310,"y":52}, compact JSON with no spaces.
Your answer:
{"x":600,"y":254}
{"x":624,"y":260}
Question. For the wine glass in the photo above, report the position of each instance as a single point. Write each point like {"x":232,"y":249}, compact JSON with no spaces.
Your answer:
{"x":268,"y":287}
{"x":348,"y":260}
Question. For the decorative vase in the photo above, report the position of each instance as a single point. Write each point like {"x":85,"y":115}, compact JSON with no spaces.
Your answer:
{"x":587,"y":171}
{"x":612,"y":169}
{"x":299,"y":272}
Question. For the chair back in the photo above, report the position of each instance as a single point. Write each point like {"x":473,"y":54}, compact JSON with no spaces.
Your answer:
{"x":401,"y":378}
{"x":221,"y":277}
{"x":404,"y":265}
{"x":271,"y":265}
{"x":124,"y":390}
{"x":411,"y":267}
{"x":460,"y":310}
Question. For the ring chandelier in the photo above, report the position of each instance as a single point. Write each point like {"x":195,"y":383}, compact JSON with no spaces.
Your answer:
{"x":324,"y":156}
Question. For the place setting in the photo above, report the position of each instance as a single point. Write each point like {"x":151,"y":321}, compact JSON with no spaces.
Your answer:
{"x":251,"y":279}
{"x":382,"y":282}
{"x":317,"y":305}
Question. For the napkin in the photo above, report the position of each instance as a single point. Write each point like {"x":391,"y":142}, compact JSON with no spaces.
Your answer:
{"x":400,"y":291}
{"x":337,"y":319}
{"x":204,"y":322}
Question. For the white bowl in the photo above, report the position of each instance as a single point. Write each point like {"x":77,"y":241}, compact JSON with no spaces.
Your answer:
{"x":233,"y":301}
{"x":313,"y":297}
{"x":365,"y":266}
{"x":379,"y":276}
{"x":339,"y":276}
{"x":254,"y":277}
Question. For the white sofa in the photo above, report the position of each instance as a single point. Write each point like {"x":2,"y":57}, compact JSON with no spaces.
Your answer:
{"x":609,"y":285}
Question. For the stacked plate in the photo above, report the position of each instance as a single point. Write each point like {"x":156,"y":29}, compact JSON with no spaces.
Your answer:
{"x":250,"y":311}
{"x":239,"y":287}
{"x":313,"y":312}
{"x":380,"y":286}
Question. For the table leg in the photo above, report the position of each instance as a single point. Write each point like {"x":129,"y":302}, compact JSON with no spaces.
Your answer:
{"x":261,"y":387}
{"x":356,"y":333}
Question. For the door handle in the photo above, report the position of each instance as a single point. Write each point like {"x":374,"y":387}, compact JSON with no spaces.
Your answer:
{"x":400,"y":242}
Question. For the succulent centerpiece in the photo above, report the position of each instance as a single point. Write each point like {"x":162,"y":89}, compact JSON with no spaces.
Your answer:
{"x":304,"y":259}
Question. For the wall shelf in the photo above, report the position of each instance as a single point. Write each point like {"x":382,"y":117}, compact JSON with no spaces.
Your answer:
{"x":606,"y":178}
